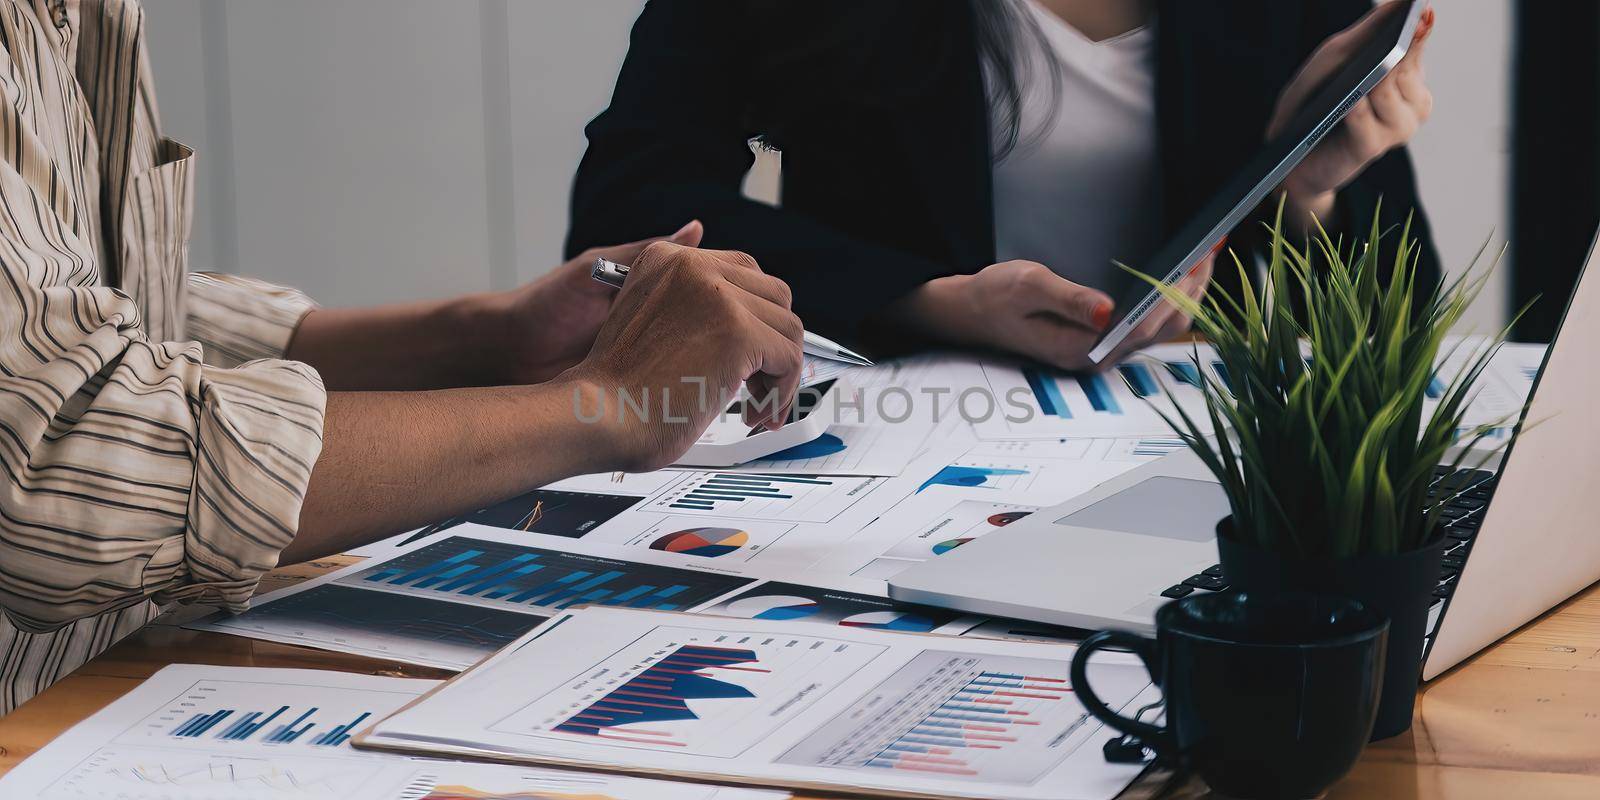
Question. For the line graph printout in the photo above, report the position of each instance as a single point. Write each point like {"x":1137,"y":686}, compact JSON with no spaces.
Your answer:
{"x":964,"y":716}
{"x":284,"y":736}
{"x":782,"y":702}
{"x":458,"y":781}
{"x":123,"y":772}
{"x":683,"y":689}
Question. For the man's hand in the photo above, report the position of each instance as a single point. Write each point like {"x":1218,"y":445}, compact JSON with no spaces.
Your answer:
{"x":522,"y":337}
{"x":1022,"y":307}
{"x":688,"y":328}
{"x":551,"y":323}
{"x":1385,"y":119}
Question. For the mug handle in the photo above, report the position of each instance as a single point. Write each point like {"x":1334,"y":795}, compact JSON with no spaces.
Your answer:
{"x":1145,"y":650}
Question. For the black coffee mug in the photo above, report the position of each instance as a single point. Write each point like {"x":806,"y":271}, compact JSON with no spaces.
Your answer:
{"x":1265,"y":697}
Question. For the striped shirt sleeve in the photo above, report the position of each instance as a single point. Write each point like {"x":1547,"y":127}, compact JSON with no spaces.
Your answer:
{"x":132,"y":469}
{"x":242,"y":319}
{"x":135,"y":462}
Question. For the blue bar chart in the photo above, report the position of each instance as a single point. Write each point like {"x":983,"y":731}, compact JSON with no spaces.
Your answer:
{"x":481,"y":571}
{"x":1140,"y":379}
{"x":248,"y":724}
{"x":1047,"y":394}
{"x":1126,"y":400}
{"x":1185,"y":372}
{"x":456,"y":599}
{"x":224,"y":713}
{"x":1101,"y":398}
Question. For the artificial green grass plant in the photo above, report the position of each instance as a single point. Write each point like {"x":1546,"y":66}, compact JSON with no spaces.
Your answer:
{"x":1331,"y":454}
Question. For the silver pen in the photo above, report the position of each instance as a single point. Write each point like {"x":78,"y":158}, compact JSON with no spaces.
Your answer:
{"x":613,"y":274}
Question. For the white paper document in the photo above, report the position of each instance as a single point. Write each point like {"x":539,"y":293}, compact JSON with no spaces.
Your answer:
{"x":457,"y":596}
{"x":767,"y":701}
{"x":241,"y":733}
{"x":1034,"y":402}
{"x":841,"y":601}
{"x":974,"y":495}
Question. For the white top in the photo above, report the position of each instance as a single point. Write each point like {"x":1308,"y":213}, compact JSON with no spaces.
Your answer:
{"x":1087,"y":190}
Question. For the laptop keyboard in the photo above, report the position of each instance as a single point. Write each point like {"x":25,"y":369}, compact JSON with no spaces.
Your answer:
{"x":1468,"y":492}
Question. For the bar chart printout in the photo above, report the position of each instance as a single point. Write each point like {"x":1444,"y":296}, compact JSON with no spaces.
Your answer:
{"x":748,"y":495}
{"x":961,"y":716}
{"x":1127,"y":400}
{"x":221,"y":712}
{"x":683,"y":690}
{"x":306,"y":724}
{"x":486,"y":572}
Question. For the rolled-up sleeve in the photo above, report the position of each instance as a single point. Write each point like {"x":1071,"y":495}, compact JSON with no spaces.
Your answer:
{"x":131,"y":468}
{"x":241,"y":319}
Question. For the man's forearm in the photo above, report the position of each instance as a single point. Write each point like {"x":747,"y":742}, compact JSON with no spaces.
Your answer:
{"x":392,"y":461}
{"x":427,"y":345}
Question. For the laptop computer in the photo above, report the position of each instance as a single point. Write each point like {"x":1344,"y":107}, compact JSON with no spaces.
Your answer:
{"x":1111,"y":557}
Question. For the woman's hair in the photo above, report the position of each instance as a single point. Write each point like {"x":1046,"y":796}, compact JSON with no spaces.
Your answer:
{"x":1004,"y":30}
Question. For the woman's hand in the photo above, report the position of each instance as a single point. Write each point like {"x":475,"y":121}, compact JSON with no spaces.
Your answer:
{"x":1385,"y":119}
{"x":1022,"y":307}
{"x":551,"y":323}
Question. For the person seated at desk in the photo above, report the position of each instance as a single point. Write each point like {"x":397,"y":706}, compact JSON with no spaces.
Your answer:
{"x":172,"y":436}
{"x":965,"y":171}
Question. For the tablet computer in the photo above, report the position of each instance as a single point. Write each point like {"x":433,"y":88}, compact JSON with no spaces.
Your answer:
{"x":1250,"y":185}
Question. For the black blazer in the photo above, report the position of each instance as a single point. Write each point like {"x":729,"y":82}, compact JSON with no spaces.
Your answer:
{"x":880,"y":111}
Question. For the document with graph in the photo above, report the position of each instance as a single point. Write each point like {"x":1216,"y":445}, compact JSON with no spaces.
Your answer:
{"x":455,"y":597}
{"x":783,"y":703}
{"x":1034,"y":402}
{"x":242,"y":733}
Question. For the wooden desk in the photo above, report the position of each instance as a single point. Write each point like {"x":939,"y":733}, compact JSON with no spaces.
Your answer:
{"x":1522,"y":719}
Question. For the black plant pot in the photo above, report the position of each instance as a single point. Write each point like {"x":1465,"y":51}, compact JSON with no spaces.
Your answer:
{"x":1400,"y":586}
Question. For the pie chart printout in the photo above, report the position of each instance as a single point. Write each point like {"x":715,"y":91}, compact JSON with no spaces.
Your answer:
{"x":773,"y":606}
{"x":703,"y":542}
{"x":777,"y":600}
{"x":821,"y":447}
{"x":890,"y":621}
{"x":1006,"y":518}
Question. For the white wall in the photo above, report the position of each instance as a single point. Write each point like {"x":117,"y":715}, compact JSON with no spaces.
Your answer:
{"x":379,"y":150}
{"x":1463,"y":153}
{"x":372,"y":150}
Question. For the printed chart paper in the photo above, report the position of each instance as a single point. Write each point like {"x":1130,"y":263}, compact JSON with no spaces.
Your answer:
{"x":241,"y":733}
{"x":452,"y":599}
{"x":867,"y":608}
{"x":762,"y":700}
{"x":975,"y":495}
{"x":1034,"y":402}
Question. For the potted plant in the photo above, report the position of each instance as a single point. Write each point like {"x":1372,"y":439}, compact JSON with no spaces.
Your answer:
{"x":1332,"y":436}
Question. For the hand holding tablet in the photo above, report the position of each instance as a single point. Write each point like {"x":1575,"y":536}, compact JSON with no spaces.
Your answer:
{"x":1337,"y":79}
